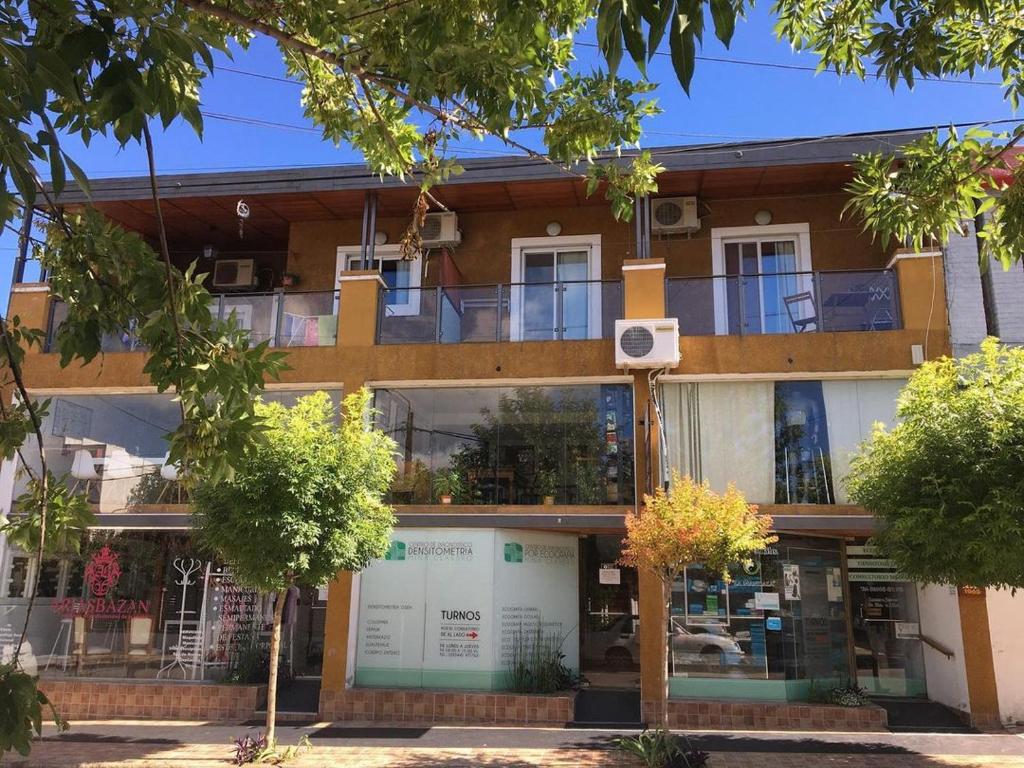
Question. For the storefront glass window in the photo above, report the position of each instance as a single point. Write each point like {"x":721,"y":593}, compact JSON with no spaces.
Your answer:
{"x":151,"y":605}
{"x":785,"y":442}
{"x":511,"y":445}
{"x":777,"y":629}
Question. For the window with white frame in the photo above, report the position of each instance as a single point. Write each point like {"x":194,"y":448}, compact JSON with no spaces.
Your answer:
{"x":763,"y":279}
{"x":556,"y":289}
{"x":402,"y":276}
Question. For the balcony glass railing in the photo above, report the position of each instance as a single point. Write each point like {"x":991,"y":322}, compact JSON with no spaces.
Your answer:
{"x":293,"y":319}
{"x":793,"y":302}
{"x":558,"y":311}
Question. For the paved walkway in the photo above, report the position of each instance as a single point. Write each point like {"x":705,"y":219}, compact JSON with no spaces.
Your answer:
{"x":136,"y":744}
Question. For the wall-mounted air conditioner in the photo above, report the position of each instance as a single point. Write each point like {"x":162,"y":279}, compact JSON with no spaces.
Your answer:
{"x":647,"y":343}
{"x":674,"y":214}
{"x":441,"y":229}
{"x":234,"y":273}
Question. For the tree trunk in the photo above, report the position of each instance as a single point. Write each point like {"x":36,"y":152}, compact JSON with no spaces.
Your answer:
{"x":668,"y":649}
{"x":275,"y":651}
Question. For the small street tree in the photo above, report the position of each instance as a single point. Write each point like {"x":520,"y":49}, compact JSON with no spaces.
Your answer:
{"x":947,"y":482}
{"x":305,"y":502}
{"x":690,"y":524}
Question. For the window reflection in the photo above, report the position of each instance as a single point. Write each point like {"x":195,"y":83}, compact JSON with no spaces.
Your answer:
{"x":501,"y":445}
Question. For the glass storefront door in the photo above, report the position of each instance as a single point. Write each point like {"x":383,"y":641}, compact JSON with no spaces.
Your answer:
{"x":609,"y":620}
{"x":886,"y":626}
{"x":306,"y":633}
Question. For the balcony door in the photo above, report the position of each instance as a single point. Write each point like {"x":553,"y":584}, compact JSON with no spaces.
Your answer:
{"x":555,"y":293}
{"x":763,"y":282}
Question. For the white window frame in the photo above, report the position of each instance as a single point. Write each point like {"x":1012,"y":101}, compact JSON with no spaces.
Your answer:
{"x":521,"y":245}
{"x":347,"y":255}
{"x":799,"y":232}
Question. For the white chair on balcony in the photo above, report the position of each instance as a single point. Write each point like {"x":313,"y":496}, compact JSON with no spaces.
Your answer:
{"x":83,"y":469}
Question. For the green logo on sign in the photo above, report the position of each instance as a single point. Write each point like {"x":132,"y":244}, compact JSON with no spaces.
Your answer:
{"x":396,"y":551}
{"x":513,"y":552}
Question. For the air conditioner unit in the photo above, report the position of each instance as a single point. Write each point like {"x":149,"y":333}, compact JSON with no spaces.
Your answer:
{"x":441,"y":229}
{"x":647,"y":343}
{"x":234,"y":273}
{"x":674,"y":214}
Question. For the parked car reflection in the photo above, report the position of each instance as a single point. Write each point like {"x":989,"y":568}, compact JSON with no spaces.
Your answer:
{"x":618,"y":645}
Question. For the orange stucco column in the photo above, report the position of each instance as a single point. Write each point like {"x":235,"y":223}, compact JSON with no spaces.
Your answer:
{"x":643,"y":288}
{"x":982,"y":691}
{"x":336,"y":632}
{"x":30,"y":302}
{"x":643,"y":283}
{"x":357,"y":307}
{"x":922,"y":286}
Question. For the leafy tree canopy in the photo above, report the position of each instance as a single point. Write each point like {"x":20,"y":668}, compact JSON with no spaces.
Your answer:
{"x":947,"y":482}
{"x":306,"y":500}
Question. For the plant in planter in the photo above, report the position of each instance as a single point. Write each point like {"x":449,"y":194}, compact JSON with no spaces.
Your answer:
{"x":659,"y":748}
{"x":547,"y":485}
{"x":449,"y":487}
{"x":849,"y":695}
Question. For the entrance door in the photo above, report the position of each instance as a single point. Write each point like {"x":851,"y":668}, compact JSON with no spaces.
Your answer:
{"x":609,"y":616}
{"x":555,"y":294}
{"x":306,"y":634}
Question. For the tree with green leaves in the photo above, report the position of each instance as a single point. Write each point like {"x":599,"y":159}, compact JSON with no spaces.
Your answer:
{"x":305,"y":502}
{"x":947,"y":481}
{"x":689,"y":524}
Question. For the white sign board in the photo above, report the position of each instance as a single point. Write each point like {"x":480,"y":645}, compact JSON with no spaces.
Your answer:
{"x":446,"y":607}
{"x":766,"y":601}
{"x":609,"y":576}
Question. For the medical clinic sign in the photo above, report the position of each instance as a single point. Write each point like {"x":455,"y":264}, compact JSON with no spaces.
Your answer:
{"x":101,"y":576}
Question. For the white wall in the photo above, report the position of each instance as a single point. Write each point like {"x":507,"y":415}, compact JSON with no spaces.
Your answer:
{"x":1006,"y":625}
{"x":940,"y":620}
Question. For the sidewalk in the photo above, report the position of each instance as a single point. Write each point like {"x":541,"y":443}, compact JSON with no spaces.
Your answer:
{"x":199,"y":745}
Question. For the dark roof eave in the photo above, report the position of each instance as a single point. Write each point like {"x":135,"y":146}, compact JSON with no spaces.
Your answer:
{"x":783,"y":152}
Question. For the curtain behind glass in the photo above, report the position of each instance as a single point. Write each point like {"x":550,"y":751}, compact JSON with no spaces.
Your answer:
{"x":851,"y":408}
{"x":722,"y":432}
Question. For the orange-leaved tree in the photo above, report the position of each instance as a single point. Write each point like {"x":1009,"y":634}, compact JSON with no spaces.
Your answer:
{"x":688,"y":524}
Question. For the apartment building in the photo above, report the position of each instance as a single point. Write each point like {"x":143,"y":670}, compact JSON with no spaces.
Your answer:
{"x":522,"y":444}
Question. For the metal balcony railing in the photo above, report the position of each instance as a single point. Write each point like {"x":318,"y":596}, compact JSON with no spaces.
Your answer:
{"x":292,"y":319}
{"x":791,"y":302}
{"x":558,"y":311}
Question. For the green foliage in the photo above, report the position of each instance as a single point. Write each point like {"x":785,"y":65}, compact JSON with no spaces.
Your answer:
{"x":306,"y":499}
{"x":250,"y":750}
{"x":68,"y":517}
{"x":449,"y":482}
{"x":947,"y":482}
{"x":21,"y":710}
{"x":536,"y":663}
{"x":659,"y":748}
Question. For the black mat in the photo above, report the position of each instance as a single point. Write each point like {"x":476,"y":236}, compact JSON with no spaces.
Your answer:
{"x":341,"y":732}
{"x":99,"y":738}
{"x":606,"y":708}
{"x":296,"y":696}
{"x":921,"y":716}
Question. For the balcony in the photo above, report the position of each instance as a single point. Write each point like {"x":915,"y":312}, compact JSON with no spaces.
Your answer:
{"x":791,"y":302}
{"x":558,"y":311}
{"x":292,"y":319}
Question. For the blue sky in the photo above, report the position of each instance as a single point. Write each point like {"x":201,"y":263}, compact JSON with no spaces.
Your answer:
{"x":727,"y":101}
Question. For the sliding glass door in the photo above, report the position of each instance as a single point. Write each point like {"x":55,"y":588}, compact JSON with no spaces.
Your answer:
{"x":555,"y":291}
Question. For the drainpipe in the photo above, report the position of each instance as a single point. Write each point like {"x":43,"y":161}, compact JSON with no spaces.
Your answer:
{"x":362,"y":234}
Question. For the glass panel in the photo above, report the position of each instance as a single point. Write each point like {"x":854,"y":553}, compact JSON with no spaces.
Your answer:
{"x":611,"y":306}
{"x":859,"y":301}
{"x":778,"y":263}
{"x":500,"y":445}
{"x":396,"y":274}
{"x":539,"y":297}
{"x":692,"y":301}
{"x":573,"y":266}
{"x":308,"y":320}
{"x":255,"y":313}
{"x":473,"y":313}
{"x":803,"y":473}
{"x":420,"y":327}
{"x":609,"y":621}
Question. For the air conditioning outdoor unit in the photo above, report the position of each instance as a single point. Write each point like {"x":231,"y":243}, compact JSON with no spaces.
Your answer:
{"x":647,"y":343}
{"x":234,"y":273}
{"x":674,"y":214}
{"x":441,"y":229}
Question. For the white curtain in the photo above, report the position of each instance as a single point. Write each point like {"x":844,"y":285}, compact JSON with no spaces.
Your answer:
{"x":723,"y":432}
{"x":851,"y":408}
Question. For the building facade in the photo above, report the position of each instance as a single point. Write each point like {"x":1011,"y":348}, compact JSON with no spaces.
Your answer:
{"x":521,"y":445}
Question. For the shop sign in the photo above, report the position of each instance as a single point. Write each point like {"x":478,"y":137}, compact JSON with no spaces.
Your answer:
{"x":766,"y":601}
{"x":609,"y":576}
{"x":102,"y":574}
{"x":791,"y":581}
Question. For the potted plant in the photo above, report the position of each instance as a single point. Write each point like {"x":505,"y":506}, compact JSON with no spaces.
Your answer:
{"x":448,"y":486}
{"x":547,"y":485}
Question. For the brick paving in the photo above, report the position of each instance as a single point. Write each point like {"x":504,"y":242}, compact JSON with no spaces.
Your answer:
{"x":125,"y":744}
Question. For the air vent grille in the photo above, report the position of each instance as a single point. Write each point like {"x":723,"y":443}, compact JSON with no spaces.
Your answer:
{"x":636,"y":341}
